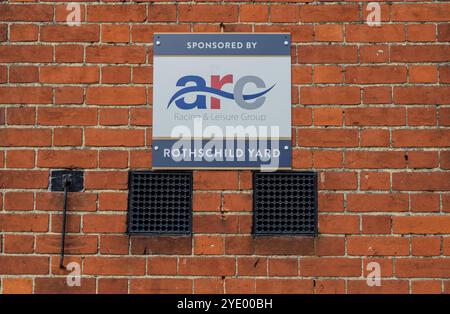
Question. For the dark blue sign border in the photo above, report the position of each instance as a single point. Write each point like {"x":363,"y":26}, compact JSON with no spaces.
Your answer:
{"x":221,"y":44}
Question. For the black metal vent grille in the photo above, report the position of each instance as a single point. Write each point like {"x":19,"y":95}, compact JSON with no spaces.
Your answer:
{"x":284,"y":203}
{"x":160,"y":203}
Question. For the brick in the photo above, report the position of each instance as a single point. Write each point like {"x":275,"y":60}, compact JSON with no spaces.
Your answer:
{"x":144,"y":33}
{"x":328,"y":32}
{"x":422,"y":74}
{"x":112,"y":286}
{"x":22,"y":265}
{"x":420,"y":13}
{"x":104,"y":223}
{"x":375,"y":180}
{"x":20,"y":158}
{"x":25,"y":95}
{"x":242,"y":245}
{"x":387,"y":287}
{"x":226,"y":223}
{"x":23,"y":179}
{"x":23,"y":32}
{"x":113,"y":159}
{"x":115,"y":33}
{"x":328,"y":116}
{"x":237,"y":202}
{"x":162,"y":12}
{"x":255,"y":13}
{"x":330,"y":267}
{"x":377,"y":95}
{"x":159,"y":265}
{"x":386,"y":202}
{"x":211,"y":266}
{"x":375,"y":74}
{"x":327,"y":159}
{"x":331,"y":202}
{"x":23,"y":74}
{"x":20,"y":115}
{"x":421,"y":181}
{"x":424,"y":202}
{"x":443,"y":32}
{"x":327,"y":137}
{"x":68,"y":95}
{"x":69,"y":53}
{"x":114,"y":244}
{"x":69,"y":75}
{"x":18,"y":243}
{"x":114,"y":116}
{"x":215,"y":180}
{"x":65,"y":33}
{"x":124,"y":266}
{"x":327,"y":54}
{"x":299,"y":33}
{"x":426,"y":286}
{"x":329,"y":286}
{"x":141,"y":116}
{"x":338,"y":224}
{"x":74,"y":244}
{"x":143,"y":74}
{"x":284,"y":246}
{"x":116,"y":75}
{"x":420,"y":53}
{"x":140,"y":159}
{"x":76,"y":201}
{"x":421,"y":138}
{"x":374,"y":53}
{"x":208,"y":13}
{"x":33,"y":12}
{"x":328,"y":74}
{"x":59,"y":286}
{"x":112,"y":201}
{"x":329,"y":13}
{"x":378,"y":246}
{"x":301,"y":116}
{"x":376,"y":224}
{"x":208,"y":285}
{"x":67,"y":159}
{"x":118,"y":13}
{"x":422,"y":116}
{"x":28,"y":53}
{"x":17,"y":285}
{"x":337,"y":180}
{"x":421,"y":32}
{"x":283,"y":13}
{"x":425,"y":246}
{"x":421,"y":224}
{"x":383,"y":33}
{"x":73,"y":223}
{"x":252,"y":266}
{"x":116,"y":54}
{"x":161,"y":286}
{"x":161,"y":245}
{"x":375,"y":160}
{"x":375,"y":137}
{"x":116,"y":96}
{"x":114,"y":137}
{"x":288,"y":286}
{"x":208,"y":245}
{"x":19,"y":201}
{"x":282,"y":267}
{"x":330,"y":246}
{"x":425,"y":267}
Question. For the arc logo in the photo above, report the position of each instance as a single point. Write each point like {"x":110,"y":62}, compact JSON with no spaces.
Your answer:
{"x":245,"y":101}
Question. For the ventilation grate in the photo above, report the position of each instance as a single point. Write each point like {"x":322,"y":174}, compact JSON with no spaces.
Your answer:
{"x":284,"y":203}
{"x":160,"y":203}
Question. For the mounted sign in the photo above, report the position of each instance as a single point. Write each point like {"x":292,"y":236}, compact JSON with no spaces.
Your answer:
{"x":222,"y":101}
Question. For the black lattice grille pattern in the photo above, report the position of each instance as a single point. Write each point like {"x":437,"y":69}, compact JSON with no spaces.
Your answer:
{"x":160,"y":203}
{"x":284,"y":203}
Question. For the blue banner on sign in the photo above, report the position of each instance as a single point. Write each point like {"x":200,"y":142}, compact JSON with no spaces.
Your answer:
{"x":264,"y":153}
{"x":222,"y":44}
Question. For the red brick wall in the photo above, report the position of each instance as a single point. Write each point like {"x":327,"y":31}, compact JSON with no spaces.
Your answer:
{"x":370,"y":114}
